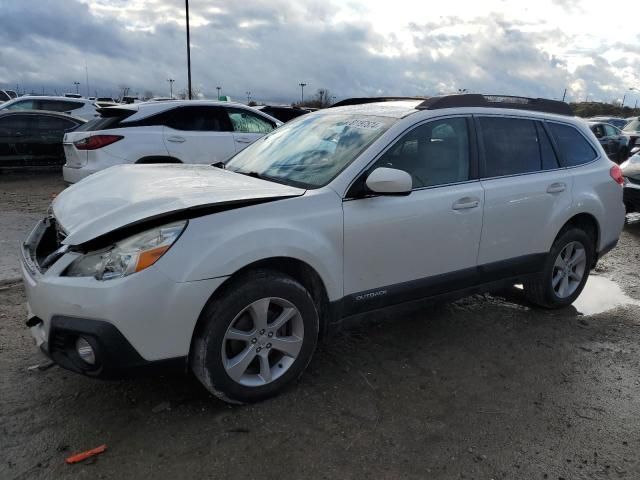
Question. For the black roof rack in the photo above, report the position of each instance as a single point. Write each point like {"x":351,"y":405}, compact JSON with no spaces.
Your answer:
{"x":362,"y":100}
{"x":496,"y":101}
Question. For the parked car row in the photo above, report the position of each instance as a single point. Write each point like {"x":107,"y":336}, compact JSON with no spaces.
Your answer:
{"x":235,"y":270}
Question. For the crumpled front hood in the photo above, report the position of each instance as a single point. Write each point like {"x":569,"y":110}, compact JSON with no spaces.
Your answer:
{"x":124,"y":195}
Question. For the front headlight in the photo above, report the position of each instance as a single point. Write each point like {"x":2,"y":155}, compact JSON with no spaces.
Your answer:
{"x":127,"y":256}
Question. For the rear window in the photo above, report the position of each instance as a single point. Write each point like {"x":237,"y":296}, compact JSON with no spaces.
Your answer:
{"x":574,"y":148}
{"x":107,"y":120}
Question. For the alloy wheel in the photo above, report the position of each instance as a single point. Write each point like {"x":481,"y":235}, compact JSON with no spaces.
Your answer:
{"x":569,"y":269}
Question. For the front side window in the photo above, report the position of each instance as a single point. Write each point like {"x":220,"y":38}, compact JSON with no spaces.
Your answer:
{"x":311,"y":150}
{"x":58,"y":105}
{"x":574,"y":148}
{"x":435,"y":153}
{"x":598,"y":131}
{"x":247,"y":122}
{"x":511,"y":146}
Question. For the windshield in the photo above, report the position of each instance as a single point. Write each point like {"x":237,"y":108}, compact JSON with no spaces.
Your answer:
{"x":310,"y":151}
{"x":632,"y":126}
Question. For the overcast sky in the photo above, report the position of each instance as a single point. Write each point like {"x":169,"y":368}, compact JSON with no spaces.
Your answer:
{"x":351,"y":47}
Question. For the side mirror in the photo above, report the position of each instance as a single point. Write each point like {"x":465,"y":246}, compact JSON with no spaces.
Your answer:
{"x":389,"y":181}
{"x":637,"y":142}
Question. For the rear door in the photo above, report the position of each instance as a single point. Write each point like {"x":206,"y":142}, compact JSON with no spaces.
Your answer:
{"x":198,"y":134}
{"x":525,"y":190}
{"x":16,"y":138}
{"x":248,"y":127}
{"x":51,"y":130}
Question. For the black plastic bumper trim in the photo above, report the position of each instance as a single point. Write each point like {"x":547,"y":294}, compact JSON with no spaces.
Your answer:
{"x":115,"y":356}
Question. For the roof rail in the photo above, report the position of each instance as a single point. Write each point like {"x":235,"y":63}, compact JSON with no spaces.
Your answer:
{"x":362,"y":100}
{"x":496,"y":101}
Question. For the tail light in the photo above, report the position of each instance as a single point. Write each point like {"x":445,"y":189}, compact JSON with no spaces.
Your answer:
{"x":97,"y":141}
{"x":616,"y":174}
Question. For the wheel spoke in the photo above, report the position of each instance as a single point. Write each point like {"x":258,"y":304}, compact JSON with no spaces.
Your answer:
{"x":259,"y":311}
{"x":288,"y":345}
{"x":235,"y":334}
{"x":265,"y":368}
{"x":556,"y":279}
{"x":564,"y":286}
{"x":574,"y":275}
{"x":237,"y":365}
{"x":578,"y":257}
{"x":286,"y":315}
{"x":560,"y":263}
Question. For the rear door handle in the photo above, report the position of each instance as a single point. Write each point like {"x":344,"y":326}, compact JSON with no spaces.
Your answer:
{"x":557,"y":187}
{"x":175,"y":139}
{"x":244,"y":140}
{"x":466,"y":203}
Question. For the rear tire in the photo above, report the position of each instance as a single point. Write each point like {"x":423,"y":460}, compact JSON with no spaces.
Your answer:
{"x":256,"y":339}
{"x":565,"y":272}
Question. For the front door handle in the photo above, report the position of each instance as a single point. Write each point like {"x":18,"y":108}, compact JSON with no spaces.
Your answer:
{"x":175,"y":139}
{"x":244,"y":140}
{"x":466,"y":203}
{"x":557,"y":187}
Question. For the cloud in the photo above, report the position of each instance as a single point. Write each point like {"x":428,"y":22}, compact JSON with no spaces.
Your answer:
{"x":269,"y":47}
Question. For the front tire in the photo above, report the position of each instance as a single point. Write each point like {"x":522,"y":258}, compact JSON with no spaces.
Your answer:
{"x":256,"y":339}
{"x":565,"y":271}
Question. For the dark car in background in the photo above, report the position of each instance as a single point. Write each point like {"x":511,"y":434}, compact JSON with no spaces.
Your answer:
{"x":283,"y":113}
{"x":614,"y":142}
{"x":615,"y":121}
{"x":34,"y":138}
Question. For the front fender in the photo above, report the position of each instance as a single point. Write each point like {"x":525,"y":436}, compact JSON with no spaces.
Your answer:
{"x":306,"y":228}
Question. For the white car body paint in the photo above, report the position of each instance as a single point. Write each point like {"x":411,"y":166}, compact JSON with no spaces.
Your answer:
{"x":358,"y":247}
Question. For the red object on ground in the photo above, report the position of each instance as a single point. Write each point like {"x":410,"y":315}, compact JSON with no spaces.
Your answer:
{"x":78,"y":457}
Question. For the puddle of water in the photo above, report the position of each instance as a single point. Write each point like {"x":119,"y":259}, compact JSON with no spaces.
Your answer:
{"x":601,"y":294}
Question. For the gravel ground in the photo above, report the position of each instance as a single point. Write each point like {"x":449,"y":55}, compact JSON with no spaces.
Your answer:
{"x":483,"y":388}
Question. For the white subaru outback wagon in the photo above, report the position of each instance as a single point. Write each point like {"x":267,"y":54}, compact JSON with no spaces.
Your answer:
{"x":235,"y":273}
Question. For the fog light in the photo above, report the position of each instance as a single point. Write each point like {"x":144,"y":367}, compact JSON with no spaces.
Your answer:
{"x":85,"y":351}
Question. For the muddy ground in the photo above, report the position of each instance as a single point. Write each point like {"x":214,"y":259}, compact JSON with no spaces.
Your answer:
{"x":483,"y":388}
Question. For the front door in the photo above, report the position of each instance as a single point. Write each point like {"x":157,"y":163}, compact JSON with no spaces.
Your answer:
{"x":400,"y":248}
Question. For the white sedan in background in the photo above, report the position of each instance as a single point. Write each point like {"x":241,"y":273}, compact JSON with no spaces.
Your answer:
{"x":78,"y":107}
{"x":200,"y":132}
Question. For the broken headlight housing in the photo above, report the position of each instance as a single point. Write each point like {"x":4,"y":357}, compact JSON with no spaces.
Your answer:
{"x":127,"y":256}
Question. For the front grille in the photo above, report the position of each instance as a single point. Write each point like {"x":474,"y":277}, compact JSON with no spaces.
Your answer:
{"x":44,"y":246}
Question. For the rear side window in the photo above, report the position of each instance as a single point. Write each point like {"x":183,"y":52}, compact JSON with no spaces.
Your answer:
{"x":54,"y":124}
{"x":110,"y":118}
{"x":195,"y":119}
{"x":247,"y":122}
{"x":549,"y":158}
{"x":574,"y":148}
{"x":58,"y":105}
{"x":510,"y":146}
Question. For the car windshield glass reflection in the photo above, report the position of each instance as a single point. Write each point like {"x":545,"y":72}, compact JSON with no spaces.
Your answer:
{"x":311,"y":151}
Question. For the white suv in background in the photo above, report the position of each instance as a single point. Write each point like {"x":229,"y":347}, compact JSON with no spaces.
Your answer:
{"x":78,"y":107}
{"x":236,"y":272}
{"x":190,"y":131}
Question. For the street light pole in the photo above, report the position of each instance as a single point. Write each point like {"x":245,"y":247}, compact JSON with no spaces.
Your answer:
{"x":186,"y":4}
{"x":218,"y":88}
{"x":248,"y":97}
{"x":302,"y":85}
{"x":77,"y":85}
{"x":170,"y":80}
